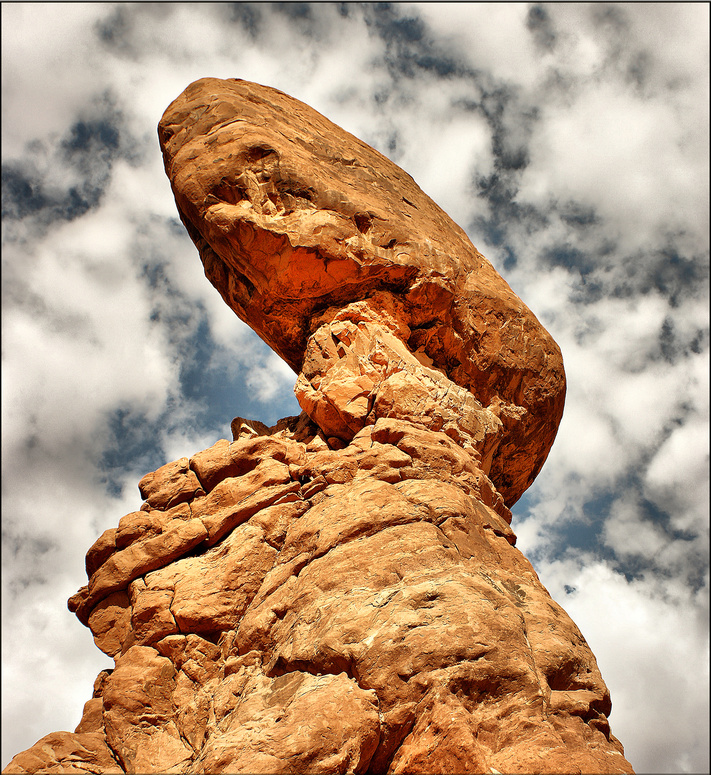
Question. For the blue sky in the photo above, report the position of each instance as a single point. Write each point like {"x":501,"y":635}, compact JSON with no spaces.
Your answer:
{"x":569,"y":140}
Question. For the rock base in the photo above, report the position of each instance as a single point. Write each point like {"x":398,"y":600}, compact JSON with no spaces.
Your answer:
{"x":281,"y":604}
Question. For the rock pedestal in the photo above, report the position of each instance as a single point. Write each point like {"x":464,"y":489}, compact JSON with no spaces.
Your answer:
{"x":340,"y":593}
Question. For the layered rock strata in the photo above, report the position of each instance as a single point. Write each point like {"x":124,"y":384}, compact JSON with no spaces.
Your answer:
{"x":340,"y":593}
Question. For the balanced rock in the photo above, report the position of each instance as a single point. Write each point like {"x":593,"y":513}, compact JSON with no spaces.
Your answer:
{"x":341,"y":592}
{"x":295,"y":219}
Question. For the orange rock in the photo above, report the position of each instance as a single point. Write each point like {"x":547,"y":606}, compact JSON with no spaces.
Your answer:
{"x":142,"y":556}
{"x":110,"y":622}
{"x":224,"y":460}
{"x":321,"y":724}
{"x":354,"y":374}
{"x":295,"y":219}
{"x":229,"y":504}
{"x":170,"y":485}
{"x":67,"y":752}
{"x":140,"y":714}
{"x":101,"y":550}
{"x":210,"y":592}
{"x":382,"y":581}
{"x":340,"y":593}
{"x":151,"y":616}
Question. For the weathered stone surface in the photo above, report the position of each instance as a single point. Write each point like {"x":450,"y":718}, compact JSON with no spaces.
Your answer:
{"x":103,"y":547}
{"x":236,"y":499}
{"x":295,"y":219}
{"x":110,"y":622}
{"x":377,"y":619}
{"x":180,"y":537}
{"x":220,"y":582}
{"x":140,"y":713}
{"x":287,"y":725}
{"x":224,"y":460}
{"x":340,"y":593}
{"x":67,"y":752}
{"x":356,"y":371}
{"x":170,"y":485}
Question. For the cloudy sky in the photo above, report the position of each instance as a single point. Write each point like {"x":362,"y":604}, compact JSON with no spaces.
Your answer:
{"x":570,"y":141}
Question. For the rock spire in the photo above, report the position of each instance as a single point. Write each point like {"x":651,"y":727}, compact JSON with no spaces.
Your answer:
{"x":339,"y":593}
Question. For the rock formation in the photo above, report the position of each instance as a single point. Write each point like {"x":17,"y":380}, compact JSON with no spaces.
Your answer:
{"x":340,"y":593}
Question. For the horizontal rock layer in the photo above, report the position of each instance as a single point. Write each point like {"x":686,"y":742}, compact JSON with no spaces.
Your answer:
{"x":278,"y":605}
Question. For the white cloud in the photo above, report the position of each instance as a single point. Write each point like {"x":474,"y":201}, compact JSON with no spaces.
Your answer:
{"x":272,"y":379}
{"x":623,"y":156}
{"x":491,"y":36}
{"x":677,"y":477}
{"x":60,"y":678}
{"x":653,"y":658}
{"x":46,"y":47}
{"x":629,"y":533}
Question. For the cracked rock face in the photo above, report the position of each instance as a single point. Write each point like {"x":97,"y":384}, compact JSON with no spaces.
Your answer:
{"x":340,"y":593}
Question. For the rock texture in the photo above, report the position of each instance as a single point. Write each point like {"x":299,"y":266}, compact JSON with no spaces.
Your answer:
{"x":296,"y":219}
{"x":340,"y":593}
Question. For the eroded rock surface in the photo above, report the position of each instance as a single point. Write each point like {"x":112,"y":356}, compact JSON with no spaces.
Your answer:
{"x":310,"y":609}
{"x":340,"y":593}
{"x":295,"y":219}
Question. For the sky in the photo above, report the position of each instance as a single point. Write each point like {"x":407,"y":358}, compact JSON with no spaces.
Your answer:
{"x":570,"y":141}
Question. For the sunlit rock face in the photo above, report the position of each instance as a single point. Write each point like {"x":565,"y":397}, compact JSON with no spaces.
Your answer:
{"x":295,"y":219}
{"x":339,"y":593}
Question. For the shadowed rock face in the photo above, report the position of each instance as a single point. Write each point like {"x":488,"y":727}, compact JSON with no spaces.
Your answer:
{"x":295,"y":219}
{"x":340,"y":593}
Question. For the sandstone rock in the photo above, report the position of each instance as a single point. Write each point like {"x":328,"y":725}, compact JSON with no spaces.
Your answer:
{"x":180,"y":537}
{"x":248,"y":429}
{"x":110,"y":622}
{"x":295,"y":219}
{"x":375,"y":617}
{"x":210,"y":592}
{"x":299,"y":712}
{"x":357,"y":372}
{"x":224,"y":460}
{"x":170,"y":485}
{"x":140,"y":714}
{"x":103,"y":547}
{"x":66,"y":752}
{"x":341,"y":592}
{"x":236,"y":499}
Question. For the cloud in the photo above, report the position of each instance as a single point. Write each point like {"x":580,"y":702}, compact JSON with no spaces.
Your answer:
{"x":571,"y":141}
{"x":51,"y":48}
{"x":625,"y":158}
{"x":481,"y":33}
{"x":654,"y":657}
{"x":676,"y":478}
